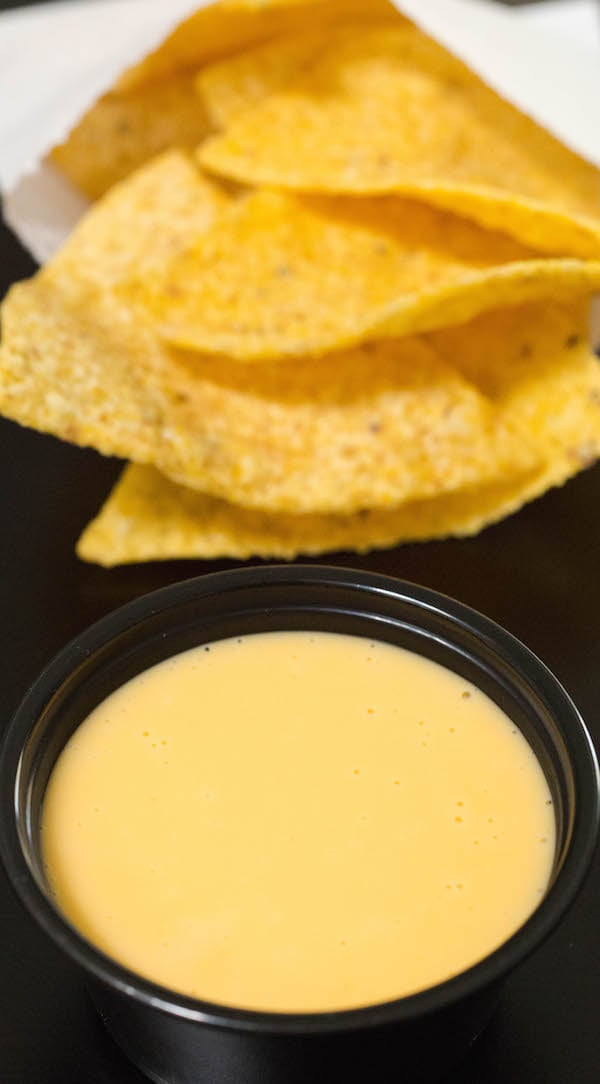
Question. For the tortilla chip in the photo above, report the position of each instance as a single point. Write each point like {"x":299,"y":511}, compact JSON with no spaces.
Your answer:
{"x":371,"y":427}
{"x":546,"y":379}
{"x":139,"y":225}
{"x":280,"y":276}
{"x":396,"y":420}
{"x":541,"y":373}
{"x":149,"y":518}
{"x":238,"y":83}
{"x":228,"y":26}
{"x":386,"y":109}
{"x":120,"y":133}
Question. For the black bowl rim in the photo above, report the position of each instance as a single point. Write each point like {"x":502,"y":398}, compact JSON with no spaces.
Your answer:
{"x":492,"y":969}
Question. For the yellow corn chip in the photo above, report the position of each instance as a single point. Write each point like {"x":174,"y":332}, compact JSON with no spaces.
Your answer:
{"x":370,"y":427}
{"x":142,"y":223}
{"x":119,"y":133}
{"x":386,"y":109}
{"x":280,"y":276}
{"x":229,"y":87}
{"x":149,"y":518}
{"x":551,"y":386}
{"x":228,"y":26}
{"x":395,"y":419}
{"x":541,"y":373}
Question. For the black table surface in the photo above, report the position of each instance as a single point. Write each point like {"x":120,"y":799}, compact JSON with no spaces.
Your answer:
{"x":537,"y":573}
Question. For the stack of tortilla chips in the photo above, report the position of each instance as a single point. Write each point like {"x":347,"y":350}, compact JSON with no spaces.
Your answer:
{"x":333,"y":293}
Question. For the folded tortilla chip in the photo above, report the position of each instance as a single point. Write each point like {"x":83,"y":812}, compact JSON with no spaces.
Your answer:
{"x":387,"y":109}
{"x":154,"y":106}
{"x":149,"y":518}
{"x":371,"y":427}
{"x":555,"y":392}
{"x":376,"y":426}
{"x":547,"y":380}
{"x":229,"y":87}
{"x":279,"y":276}
{"x":542,"y":374}
{"x":228,"y":26}
{"x":141,"y":224}
{"x":122,"y":132}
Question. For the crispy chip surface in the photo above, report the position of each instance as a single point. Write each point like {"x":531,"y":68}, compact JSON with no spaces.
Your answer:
{"x":548,"y":379}
{"x":440,"y":374}
{"x":280,"y":276}
{"x":550,"y":383}
{"x":228,"y":26}
{"x":149,"y":518}
{"x":542,"y":374}
{"x":141,"y":224}
{"x":121,"y":132}
{"x":386,"y":109}
{"x":229,"y":87}
{"x":373,"y":426}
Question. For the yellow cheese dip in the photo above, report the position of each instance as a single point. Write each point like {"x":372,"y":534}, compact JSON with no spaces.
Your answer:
{"x":298,"y":821}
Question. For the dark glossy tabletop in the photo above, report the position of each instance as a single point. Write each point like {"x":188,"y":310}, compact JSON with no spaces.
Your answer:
{"x":538,"y":573}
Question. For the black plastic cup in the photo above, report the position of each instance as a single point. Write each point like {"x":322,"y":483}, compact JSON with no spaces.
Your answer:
{"x":179,"y":1040}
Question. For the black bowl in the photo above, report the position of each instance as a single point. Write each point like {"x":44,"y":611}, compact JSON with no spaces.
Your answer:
{"x":179,"y":1040}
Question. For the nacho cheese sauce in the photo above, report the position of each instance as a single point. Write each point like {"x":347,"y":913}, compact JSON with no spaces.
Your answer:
{"x":298,"y":821}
